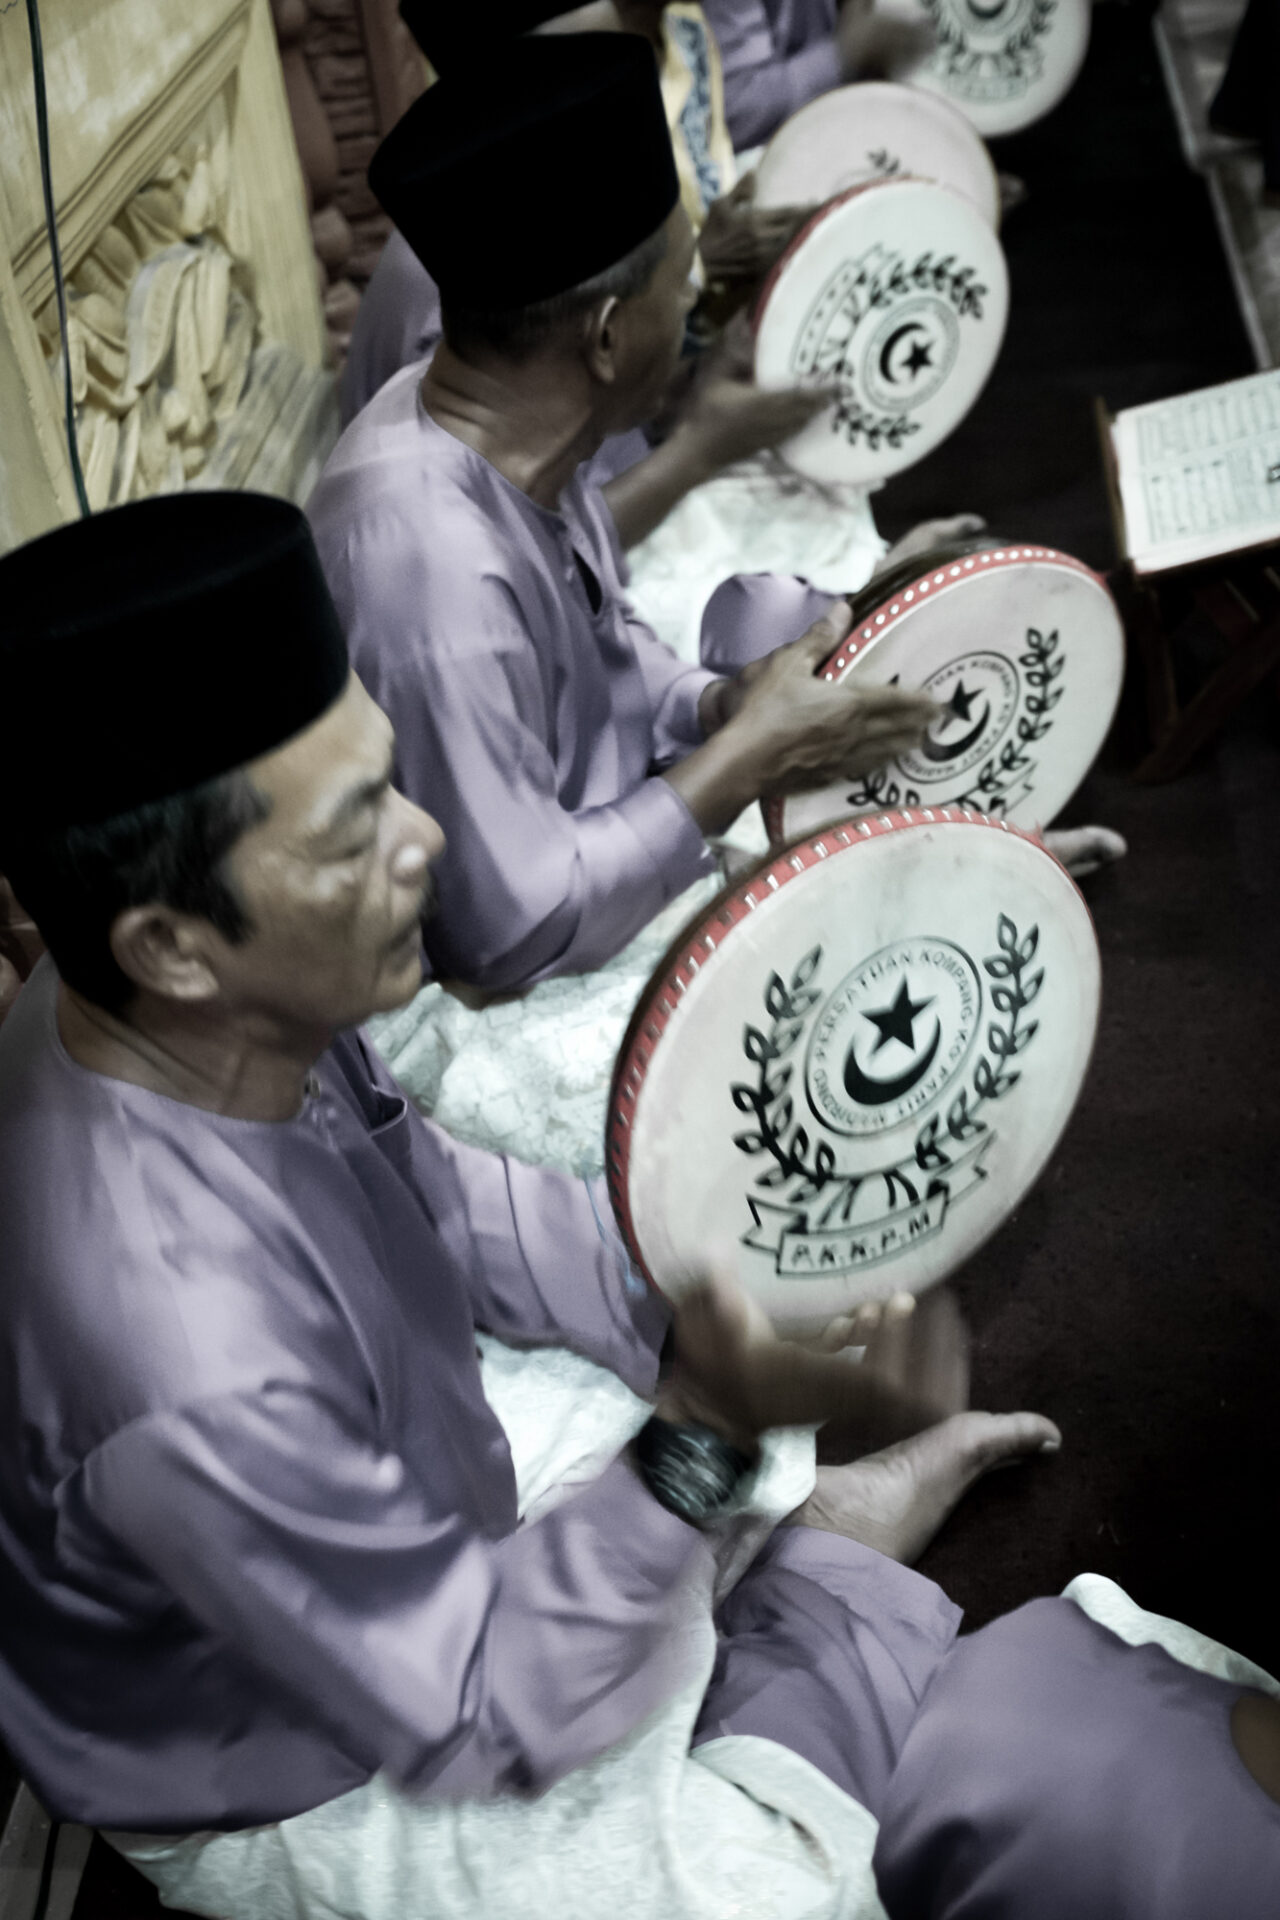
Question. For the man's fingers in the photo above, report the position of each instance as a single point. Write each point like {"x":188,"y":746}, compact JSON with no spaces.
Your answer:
{"x":912,"y":713}
{"x":825,"y":635}
{"x":801,"y":402}
{"x":887,"y":706}
{"x":940,"y":1358}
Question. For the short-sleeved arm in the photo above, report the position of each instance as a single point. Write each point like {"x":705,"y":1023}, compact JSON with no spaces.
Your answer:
{"x":763,"y":85}
{"x":527,"y":888}
{"x":458,"y":1662}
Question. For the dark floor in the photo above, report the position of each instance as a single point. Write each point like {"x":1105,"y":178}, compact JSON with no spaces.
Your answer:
{"x":1136,"y":1296}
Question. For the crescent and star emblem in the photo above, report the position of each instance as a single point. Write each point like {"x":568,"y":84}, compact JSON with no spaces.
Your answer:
{"x":920,"y":356}
{"x":959,"y":707}
{"x":896,"y":1022}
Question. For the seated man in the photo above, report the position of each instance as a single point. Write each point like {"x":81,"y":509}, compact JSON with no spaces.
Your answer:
{"x":399,"y":317}
{"x":259,"y":1535}
{"x":575,"y":765}
{"x":777,"y":55}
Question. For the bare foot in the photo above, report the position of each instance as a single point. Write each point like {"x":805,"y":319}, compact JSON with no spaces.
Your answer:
{"x":928,"y":535}
{"x":896,"y":1500}
{"x":1013,"y":192}
{"x":1084,"y":849}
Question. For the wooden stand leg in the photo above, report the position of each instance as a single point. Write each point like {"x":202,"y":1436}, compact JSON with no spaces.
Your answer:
{"x":1246,"y":666}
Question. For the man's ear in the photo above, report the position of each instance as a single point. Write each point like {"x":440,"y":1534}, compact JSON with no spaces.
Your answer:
{"x":166,"y":953}
{"x":603,"y":340}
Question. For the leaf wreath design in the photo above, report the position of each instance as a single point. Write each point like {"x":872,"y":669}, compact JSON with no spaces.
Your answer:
{"x":776,"y":1132}
{"x":768,"y":1101}
{"x":880,"y":790}
{"x":1042,"y":666}
{"x":1012,"y":991}
{"x":1036,"y":24}
{"x":958,"y":56}
{"x":853,"y":420}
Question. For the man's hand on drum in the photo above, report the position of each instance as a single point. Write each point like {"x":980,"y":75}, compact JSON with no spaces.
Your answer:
{"x":733,"y":1372}
{"x":727,"y":417}
{"x":740,"y":241}
{"x":927,"y":536}
{"x":897,"y":1444}
{"x":778,"y":728}
{"x":872,"y":46}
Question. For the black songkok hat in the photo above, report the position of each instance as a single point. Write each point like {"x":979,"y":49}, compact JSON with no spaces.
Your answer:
{"x":539,"y":170}
{"x":153,"y":647}
{"x":451,"y":32}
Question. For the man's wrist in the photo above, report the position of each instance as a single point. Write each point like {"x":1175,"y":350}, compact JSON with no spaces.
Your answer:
{"x":691,"y":451}
{"x":717,"y":780}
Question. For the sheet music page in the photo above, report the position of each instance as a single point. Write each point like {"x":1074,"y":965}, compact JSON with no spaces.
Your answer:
{"x":1200,"y":474}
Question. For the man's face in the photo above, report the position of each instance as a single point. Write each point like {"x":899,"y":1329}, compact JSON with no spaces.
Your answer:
{"x":650,"y":328}
{"x":335,"y":880}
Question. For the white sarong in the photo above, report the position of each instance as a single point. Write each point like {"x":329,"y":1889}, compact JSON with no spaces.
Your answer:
{"x":740,"y":1829}
{"x":757,"y":517}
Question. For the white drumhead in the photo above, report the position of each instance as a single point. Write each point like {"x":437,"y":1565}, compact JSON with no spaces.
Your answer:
{"x":852,"y":1067}
{"x":873,"y":131}
{"x":1004,"y":63}
{"x":1023,"y":648}
{"x":897,"y":294}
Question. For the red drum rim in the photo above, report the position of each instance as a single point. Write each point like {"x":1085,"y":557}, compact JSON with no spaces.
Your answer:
{"x":687,"y":953}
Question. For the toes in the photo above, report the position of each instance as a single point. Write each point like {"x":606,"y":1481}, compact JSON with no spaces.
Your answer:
{"x":998,"y":1439}
{"x":1082,"y":850}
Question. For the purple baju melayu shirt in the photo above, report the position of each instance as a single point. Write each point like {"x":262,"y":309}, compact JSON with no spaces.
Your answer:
{"x":777,"y":55}
{"x":258,"y":1528}
{"x":399,"y":324}
{"x":1053,"y":1771}
{"x":530,"y":703}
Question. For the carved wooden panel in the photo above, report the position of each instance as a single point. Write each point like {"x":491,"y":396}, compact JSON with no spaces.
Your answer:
{"x":351,"y":69}
{"x":197,"y":338}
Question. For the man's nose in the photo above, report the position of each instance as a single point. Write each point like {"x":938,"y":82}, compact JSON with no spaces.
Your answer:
{"x":423,"y":844}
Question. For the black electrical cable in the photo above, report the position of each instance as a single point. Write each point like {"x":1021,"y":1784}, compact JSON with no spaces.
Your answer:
{"x":55,"y":252}
{"x":45,"y":1889}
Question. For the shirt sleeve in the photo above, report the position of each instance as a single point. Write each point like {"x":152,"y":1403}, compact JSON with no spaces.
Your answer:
{"x":542,"y":1258}
{"x":526,"y":887}
{"x":763,"y":86}
{"x":456,"y":1661}
{"x":672,"y":687}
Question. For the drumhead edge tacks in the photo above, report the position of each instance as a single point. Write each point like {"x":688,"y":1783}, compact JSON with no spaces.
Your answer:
{"x":896,"y":295}
{"x":853,"y":1064}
